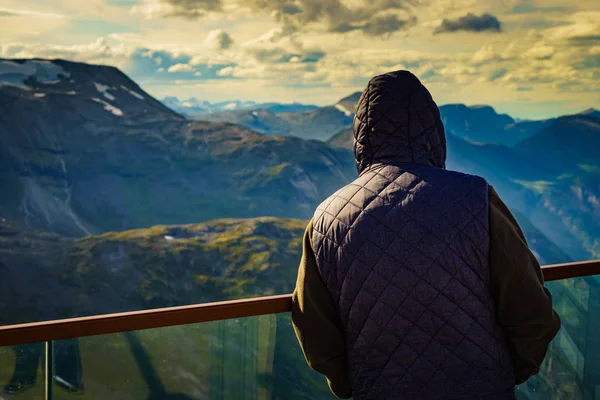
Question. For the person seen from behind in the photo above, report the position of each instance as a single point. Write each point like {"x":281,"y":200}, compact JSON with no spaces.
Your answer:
{"x":416,"y":282}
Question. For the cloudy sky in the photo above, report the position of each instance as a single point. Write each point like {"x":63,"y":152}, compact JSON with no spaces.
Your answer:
{"x":529,"y":58}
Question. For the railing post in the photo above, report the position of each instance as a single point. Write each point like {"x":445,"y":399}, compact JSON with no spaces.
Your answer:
{"x":49,"y":371}
{"x":591,"y":374}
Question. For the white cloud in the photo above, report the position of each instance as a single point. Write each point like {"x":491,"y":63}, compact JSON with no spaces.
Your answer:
{"x":227,"y":71}
{"x":485,"y":54}
{"x":191,"y":9}
{"x":180,"y":68}
{"x":496,"y":53}
{"x":6,"y":12}
{"x":151,"y":9}
{"x":539,"y":52}
{"x":98,"y":51}
{"x":22,"y":24}
{"x":583,"y":26}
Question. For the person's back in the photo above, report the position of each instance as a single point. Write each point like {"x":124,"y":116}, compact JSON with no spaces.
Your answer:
{"x":403,"y":257}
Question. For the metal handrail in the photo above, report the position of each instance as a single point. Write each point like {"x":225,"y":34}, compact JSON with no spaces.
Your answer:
{"x":183,"y":315}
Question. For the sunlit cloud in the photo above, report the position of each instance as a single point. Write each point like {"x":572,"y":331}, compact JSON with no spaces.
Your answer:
{"x":539,"y":52}
{"x":5,"y":12}
{"x":17,"y":23}
{"x":582,"y":28}
{"x":189,"y":9}
{"x":374,"y":18}
{"x":180,"y":68}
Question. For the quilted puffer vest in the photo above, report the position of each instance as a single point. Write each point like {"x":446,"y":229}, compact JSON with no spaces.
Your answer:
{"x":403,"y":251}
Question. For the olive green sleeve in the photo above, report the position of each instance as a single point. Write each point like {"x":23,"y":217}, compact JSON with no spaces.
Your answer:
{"x":316,"y":322}
{"x":523,"y":304}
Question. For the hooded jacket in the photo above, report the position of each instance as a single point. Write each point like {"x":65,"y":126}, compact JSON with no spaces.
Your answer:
{"x":403,"y":260}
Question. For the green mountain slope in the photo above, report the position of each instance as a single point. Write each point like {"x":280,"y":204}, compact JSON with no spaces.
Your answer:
{"x":173,"y":265}
{"x":162,"y":266}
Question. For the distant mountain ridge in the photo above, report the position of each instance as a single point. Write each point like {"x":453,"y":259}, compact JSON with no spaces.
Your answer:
{"x":477,"y":123}
{"x":194,"y":108}
{"x":484,"y":125}
{"x":318,"y":123}
{"x":348,"y":104}
{"x":591,"y":112}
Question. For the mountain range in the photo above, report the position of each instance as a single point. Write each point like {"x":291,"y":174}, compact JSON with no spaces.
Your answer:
{"x":114,"y":201}
{"x":194,"y":108}
{"x":317,"y":123}
{"x":477,"y":123}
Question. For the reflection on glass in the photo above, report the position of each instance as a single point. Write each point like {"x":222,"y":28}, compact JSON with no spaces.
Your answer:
{"x":248,"y":358}
{"x":571,"y":369}
{"x":22,"y":371}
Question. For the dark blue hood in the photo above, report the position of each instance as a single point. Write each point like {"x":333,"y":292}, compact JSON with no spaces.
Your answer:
{"x":397,"y":121}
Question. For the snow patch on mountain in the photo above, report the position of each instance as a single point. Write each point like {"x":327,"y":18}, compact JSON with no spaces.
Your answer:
{"x":343,"y":109}
{"x":104,"y":90}
{"x":15,"y":74}
{"x":109,"y":107}
{"x":133,"y":93}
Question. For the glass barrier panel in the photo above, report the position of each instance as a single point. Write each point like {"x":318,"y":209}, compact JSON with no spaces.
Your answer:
{"x":259,"y":358}
{"x":571,"y":369}
{"x":22,"y":372}
{"x":256,"y":358}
